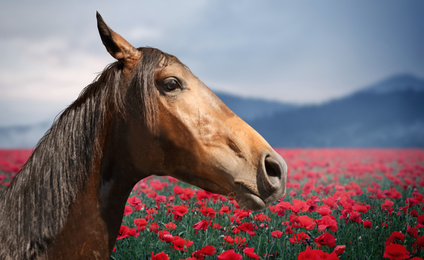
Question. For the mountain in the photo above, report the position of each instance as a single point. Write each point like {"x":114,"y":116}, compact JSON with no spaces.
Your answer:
{"x":252,"y":108}
{"x":387,"y":114}
{"x":22,"y":136}
{"x":397,"y":84}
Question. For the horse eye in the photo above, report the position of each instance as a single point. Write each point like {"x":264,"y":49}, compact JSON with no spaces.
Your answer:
{"x":172,"y":85}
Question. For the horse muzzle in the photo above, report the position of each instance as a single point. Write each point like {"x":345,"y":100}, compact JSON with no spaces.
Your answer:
{"x":271,"y":177}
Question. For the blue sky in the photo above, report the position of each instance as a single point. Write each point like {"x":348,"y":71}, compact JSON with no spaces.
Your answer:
{"x":293,"y":51}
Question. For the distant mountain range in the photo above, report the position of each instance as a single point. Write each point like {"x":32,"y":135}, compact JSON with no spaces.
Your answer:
{"x":387,"y":114}
{"x":253,"y":108}
{"x":22,"y":136}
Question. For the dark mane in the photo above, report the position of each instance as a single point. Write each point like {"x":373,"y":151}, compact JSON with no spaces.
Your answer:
{"x":35,"y":206}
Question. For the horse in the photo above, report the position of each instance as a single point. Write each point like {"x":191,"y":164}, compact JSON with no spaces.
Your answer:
{"x":145,"y":114}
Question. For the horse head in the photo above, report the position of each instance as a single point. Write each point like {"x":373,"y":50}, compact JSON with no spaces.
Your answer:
{"x":187,"y":132}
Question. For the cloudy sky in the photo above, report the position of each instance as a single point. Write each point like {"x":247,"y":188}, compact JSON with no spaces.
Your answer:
{"x":293,"y":51}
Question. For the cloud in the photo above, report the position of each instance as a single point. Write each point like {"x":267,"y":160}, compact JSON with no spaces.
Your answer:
{"x":48,"y":69}
{"x":304,"y":52}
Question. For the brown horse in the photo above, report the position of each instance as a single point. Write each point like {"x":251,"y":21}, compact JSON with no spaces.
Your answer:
{"x":145,"y":114}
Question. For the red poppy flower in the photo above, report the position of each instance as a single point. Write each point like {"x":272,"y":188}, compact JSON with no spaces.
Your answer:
{"x":263,"y":225}
{"x":330,"y":202}
{"x":224,"y":210}
{"x":171,"y":226}
{"x":153,"y":227}
{"x":207,"y":250}
{"x":339,"y":249}
{"x":202,"y":194}
{"x":412,"y":231}
{"x":152,"y":195}
{"x":396,"y":252}
{"x":160,"y":199}
{"x":312,"y":205}
{"x":325,"y":210}
{"x":367,"y":223}
{"x":160,"y":256}
{"x":123,"y":232}
{"x":239,"y":241}
{"x":316,"y":254}
{"x":393,"y":236}
{"x":411,"y":202}
{"x":133,"y":232}
{"x":216,"y":226}
{"x":420,"y":219}
{"x":262,"y":217}
{"x":276,"y":234}
{"x":418,"y":243}
{"x":387,"y":205}
{"x":187,"y":194}
{"x":293,"y":218}
{"x":327,"y":222}
{"x":165,"y":236}
{"x":230,"y":255}
{"x":249,"y":252}
{"x":326,"y":239}
{"x":128,"y":210}
{"x":280,"y":208}
{"x":172,"y":179}
{"x":355,"y":217}
{"x":393,"y":193}
{"x":289,"y":230}
{"x":307,"y":187}
{"x":135,"y":203}
{"x":229,"y":239}
{"x":181,"y":243}
{"x":299,"y":238}
{"x":207,"y":212}
{"x":177,"y":189}
{"x":414,"y":213}
{"x":152,"y":211}
{"x":140,"y":223}
{"x":361,"y":208}
{"x":179,"y":211}
{"x":307,"y":222}
{"x":201,"y":225}
{"x":299,"y":205}
{"x":239,"y":215}
{"x":247,"y":227}
{"x":158,"y":185}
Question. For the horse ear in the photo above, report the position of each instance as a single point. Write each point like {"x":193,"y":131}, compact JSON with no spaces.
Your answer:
{"x":116,"y":45}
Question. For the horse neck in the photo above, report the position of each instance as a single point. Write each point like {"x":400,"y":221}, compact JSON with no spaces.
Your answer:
{"x":99,"y":207}
{"x":58,"y":206}
{"x":95,"y":217}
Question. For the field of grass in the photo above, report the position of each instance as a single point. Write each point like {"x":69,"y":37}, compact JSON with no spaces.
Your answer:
{"x":340,"y":204}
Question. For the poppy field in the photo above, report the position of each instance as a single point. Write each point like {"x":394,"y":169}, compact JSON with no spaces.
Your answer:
{"x":340,"y":204}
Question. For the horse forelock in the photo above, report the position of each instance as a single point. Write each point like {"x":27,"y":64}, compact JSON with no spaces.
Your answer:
{"x":142,"y":92}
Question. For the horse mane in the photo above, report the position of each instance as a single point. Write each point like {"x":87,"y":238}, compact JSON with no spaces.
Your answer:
{"x":35,"y":207}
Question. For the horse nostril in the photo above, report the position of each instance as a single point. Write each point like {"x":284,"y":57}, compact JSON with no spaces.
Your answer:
{"x":272,"y":177}
{"x":273,"y":170}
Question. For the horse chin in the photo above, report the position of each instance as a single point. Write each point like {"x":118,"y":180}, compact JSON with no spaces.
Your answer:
{"x":251,"y":202}
{"x":246,"y":199}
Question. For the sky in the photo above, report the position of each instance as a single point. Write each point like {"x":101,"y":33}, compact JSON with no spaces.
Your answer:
{"x":303,"y":52}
